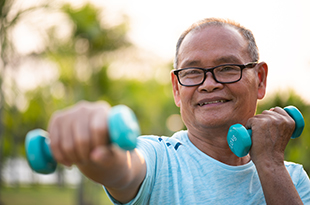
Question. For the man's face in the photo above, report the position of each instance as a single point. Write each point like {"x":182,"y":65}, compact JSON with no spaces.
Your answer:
{"x":212,"y":104}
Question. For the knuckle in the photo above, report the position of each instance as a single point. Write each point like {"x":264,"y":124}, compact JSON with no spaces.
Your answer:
{"x":82,"y":106}
{"x":55,"y":118}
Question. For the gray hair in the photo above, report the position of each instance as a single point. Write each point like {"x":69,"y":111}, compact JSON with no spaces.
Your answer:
{"x":246,"y":33}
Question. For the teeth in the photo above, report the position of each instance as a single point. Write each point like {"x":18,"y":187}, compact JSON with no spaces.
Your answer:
{"x":211,"y":102}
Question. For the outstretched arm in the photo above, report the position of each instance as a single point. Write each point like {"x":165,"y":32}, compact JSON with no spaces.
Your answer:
{"x":79,"y":136}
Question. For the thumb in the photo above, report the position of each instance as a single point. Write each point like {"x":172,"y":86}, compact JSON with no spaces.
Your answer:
{"x":104,"y":155}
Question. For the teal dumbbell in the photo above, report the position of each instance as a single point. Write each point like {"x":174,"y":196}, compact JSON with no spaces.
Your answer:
{"x":239,"y":138}
{"x":123,"y":130}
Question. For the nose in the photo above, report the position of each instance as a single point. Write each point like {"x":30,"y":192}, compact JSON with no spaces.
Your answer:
{"x":210,"y":84}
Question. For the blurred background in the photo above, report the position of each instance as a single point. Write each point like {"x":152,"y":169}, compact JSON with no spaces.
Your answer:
{"x":56,"y":53}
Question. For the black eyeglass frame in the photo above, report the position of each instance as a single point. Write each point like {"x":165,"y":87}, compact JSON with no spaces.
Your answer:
{"x":241,"y":66}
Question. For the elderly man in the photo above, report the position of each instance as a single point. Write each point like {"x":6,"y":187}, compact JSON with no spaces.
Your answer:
{"x":216,"y":83}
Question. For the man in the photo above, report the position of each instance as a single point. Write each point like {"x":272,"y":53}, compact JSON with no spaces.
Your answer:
{"x":216,"y":84}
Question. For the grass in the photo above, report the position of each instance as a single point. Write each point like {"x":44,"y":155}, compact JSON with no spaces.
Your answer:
{"x":51,"y":195}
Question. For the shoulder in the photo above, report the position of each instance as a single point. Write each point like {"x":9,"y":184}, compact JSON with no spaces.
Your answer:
{"x":162,"y":142}
{"x":294,"y":169}
{"x":158,"y":149}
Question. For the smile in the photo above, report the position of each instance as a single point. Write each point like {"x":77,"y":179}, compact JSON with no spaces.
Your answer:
{"x":212,"y":102}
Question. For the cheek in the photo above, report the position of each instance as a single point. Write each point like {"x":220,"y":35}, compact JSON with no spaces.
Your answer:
{"x":186,"y":95}
{"x":249,"y":83}
{"x":247,"y":96}
{"x":245,"y":91}
{"x":186,"y":102}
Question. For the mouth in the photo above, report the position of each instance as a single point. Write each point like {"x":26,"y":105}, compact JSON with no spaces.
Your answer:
{"x":211,"y":102}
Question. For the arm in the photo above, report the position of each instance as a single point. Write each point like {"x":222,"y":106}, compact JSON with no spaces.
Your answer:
{"x":120,"y":172}
{"x":271,"y":132}
{"x":79,"y":135}
{"x":277,"y":184}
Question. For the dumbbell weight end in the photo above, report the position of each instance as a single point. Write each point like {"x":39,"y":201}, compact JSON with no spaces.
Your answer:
{"x":239,"y":138}
{"x":298,"y":118}
{"x":123,"y":130}
{"x":38,"y":152}
{"x":123,"y":127}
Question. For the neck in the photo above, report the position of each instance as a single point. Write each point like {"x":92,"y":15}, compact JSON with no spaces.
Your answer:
{"x":214,"y":144}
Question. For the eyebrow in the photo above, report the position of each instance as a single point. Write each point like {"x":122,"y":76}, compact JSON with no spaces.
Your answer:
{"x":218,"y":61}
{"x":192,"y":63}
{"x":227,"y":59}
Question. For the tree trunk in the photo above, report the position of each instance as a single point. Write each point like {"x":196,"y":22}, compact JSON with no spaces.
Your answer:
{"x":1,"y":142}
{"x":80,"y":192}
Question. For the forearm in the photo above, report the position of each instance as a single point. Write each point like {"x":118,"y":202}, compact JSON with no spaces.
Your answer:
{"x":112,"y":166}
{"x":120,"y":172}
{"x":277,"y":184}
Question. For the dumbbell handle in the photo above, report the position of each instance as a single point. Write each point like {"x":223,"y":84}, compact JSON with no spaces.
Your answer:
{"x":123,"y":131}
{"x":239,"y":138}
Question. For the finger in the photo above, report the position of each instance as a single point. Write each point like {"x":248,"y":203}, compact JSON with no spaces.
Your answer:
{"x":101,"y":154}
{"x":281,"y":116}
{"x":54,"y":130}
{"x":279,"y":110}
{"x":106,"y":155}
{"x":82,"y":138}
{"x":288,"y":121}
{"x":67,"y":144}
{"x":261,"y":121}
{"x":99,"y":126}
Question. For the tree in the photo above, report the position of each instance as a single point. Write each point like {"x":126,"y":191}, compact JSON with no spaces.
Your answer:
{"x":9,"y":59}
{"x":82,"y":61}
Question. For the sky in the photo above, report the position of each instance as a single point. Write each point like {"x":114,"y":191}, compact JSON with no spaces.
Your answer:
{"x":281,"y":29}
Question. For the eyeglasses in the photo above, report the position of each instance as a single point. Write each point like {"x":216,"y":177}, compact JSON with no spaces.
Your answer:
{"x":226,"y":73}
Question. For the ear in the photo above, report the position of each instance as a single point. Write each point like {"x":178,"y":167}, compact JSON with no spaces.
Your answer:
{"x":175,"y":87}
{"x":262,"y":73}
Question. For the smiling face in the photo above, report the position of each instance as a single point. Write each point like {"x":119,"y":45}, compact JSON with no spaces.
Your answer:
{"x":212,"y":104}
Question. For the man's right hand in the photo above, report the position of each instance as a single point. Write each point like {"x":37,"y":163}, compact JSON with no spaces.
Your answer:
{"x":75,"y":133}
{"x":79,"y":135}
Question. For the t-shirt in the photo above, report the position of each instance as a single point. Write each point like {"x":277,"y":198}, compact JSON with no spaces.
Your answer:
{"x":179,"y":173}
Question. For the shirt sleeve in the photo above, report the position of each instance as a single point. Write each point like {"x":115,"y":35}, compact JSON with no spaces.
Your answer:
{"x":303,"y":187}
{"x":148,"y":146}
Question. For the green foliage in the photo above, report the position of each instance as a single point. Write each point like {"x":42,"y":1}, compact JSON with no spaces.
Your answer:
{"x":87,"y":26}
{"x":297,"y":150}
{"x":79,"y":56}
{"x":11,"y":119}
{"x":152,"y":103}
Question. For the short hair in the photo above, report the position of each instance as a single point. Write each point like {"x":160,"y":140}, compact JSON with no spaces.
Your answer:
{"x":246,"y":33}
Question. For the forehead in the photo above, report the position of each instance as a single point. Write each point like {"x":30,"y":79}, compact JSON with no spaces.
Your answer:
{"x":213,"y":45}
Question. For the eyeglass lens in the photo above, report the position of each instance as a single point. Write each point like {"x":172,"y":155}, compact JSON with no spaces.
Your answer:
{"x":223,"y":74}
